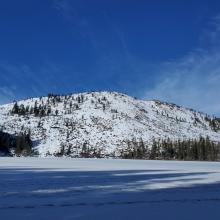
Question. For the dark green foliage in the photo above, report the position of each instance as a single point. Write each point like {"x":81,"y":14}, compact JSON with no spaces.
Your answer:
{"x":21,"y":145}
{"x":155,"y":151}
{"x":43,"y":107}
{"x":20,"y":110}
{"x":214,"y":124}
{"x":15,"y":109}
{"x":6,"y":142}
{"x":85,"y":151}
{"x":202,"y":150}
{"x":90,"y":152}
{"x":135,"y":150}
{"x":54,"y":97}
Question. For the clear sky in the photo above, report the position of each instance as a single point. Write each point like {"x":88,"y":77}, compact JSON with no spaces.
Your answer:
{"x":152,"y":49}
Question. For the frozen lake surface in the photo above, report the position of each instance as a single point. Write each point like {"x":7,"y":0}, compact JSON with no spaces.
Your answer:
{"x":55,"y":188}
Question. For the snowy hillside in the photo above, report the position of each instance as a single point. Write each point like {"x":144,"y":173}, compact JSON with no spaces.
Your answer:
{"x":103,"y":121}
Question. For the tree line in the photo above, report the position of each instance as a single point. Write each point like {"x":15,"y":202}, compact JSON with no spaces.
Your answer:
{"x":19,"y":145}
{"x":43,"y":108}
{"x":202,"y":149}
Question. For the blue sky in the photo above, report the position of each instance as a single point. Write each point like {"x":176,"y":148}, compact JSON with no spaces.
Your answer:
{"x":152,"y":49}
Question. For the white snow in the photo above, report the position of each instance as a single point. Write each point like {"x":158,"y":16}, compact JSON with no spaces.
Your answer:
{"x":55,"y":188}
{"x":123,"y":119}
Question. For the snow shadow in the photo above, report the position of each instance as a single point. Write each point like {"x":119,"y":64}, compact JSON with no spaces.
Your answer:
{"x":82,"y":193}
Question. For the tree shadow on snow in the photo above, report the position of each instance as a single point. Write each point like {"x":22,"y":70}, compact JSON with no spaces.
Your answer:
{"x":29,"y":188}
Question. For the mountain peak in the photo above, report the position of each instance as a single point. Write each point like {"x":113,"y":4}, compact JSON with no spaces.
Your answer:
{"x":104,"y":121}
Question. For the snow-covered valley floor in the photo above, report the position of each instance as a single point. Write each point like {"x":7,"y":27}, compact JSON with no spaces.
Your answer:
{"x":55,"y":188}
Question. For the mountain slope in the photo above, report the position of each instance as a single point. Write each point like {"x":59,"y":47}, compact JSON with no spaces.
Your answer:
{"x":103,"y":121}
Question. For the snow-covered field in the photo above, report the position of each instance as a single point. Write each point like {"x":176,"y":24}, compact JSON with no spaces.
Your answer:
{"x":55,"y":188}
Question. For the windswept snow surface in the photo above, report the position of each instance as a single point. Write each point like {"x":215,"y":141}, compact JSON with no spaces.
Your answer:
{"x":55,"y":188}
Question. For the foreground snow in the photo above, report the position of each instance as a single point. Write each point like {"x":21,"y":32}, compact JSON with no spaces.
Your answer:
{"x":43,"y":188}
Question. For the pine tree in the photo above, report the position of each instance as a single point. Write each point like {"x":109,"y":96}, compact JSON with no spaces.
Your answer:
{"x":15,"y":109}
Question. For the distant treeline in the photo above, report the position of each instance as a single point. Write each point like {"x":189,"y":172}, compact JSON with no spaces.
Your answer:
{"x":42,"y":107}
{"x":202,"y":150}
{"x":19,"y":145}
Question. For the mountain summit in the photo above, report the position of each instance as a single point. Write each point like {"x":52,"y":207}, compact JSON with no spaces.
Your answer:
{"x":102,"y":121}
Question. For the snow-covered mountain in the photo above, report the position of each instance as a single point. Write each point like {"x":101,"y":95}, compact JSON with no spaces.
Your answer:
{"x":104,"y":121}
